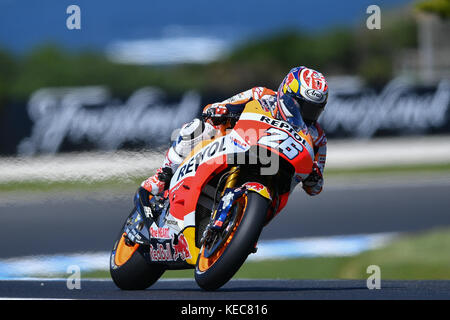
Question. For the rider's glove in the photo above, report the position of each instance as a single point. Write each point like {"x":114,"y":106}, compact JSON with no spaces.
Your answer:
{"x":314,"y":177}
{"x":314,"y":182}
{"x":215,"y":113}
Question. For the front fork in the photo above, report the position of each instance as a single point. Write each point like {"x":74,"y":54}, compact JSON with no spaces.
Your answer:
{"x":219,"y":215}
{"x":230,"y":194}
{"x":232,"y":179}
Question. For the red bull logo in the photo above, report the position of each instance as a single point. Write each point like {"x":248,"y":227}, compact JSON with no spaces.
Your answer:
{"x":181,"y":249}
{"x":254,"y":186}
{"x":258,"y":187}
{"x":161,"y":253}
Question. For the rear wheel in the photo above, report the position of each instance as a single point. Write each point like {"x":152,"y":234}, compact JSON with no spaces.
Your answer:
{"x":214,"y":270}
{"x":128,"y":267}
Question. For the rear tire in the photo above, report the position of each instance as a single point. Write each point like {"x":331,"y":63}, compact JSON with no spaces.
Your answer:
{"x":135,"y":273}
{"x":240,"y":246}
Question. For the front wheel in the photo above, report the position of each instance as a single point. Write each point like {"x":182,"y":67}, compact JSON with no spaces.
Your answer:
{"x":213,"y":271}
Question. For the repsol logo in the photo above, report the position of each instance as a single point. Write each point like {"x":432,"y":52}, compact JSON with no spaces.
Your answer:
{"x":283,"y":125}
{"x":203,"y":155}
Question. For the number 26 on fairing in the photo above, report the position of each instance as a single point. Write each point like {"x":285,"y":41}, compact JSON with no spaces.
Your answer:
{"x":278,"y":139}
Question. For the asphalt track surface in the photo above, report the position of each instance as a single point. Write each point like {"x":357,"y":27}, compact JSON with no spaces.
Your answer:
{"x":90,"y":222}
{"x":234,"y":290}
{"x":63,"y":223}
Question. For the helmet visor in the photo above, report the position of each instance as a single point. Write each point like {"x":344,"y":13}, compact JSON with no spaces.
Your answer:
{"x":310,"y":111}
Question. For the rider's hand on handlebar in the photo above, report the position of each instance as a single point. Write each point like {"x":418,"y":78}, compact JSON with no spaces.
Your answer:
{"x":314,"y":177}
{"x":216,"y":114}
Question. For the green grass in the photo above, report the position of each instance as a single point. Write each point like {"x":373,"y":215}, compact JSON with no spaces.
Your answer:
{"x":424,"y":255}
{"x":77,"y":185}
{"x":404,"y":169}
{"x":131,"y":184}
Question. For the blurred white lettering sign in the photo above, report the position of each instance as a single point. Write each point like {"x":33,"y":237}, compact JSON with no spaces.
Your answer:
{"x":89,"y":114}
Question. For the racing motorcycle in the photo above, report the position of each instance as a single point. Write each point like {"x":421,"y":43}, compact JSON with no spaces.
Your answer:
{"x":218,"y":201}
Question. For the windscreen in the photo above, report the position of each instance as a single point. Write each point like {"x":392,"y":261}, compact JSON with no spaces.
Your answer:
{"x":291,"y":108}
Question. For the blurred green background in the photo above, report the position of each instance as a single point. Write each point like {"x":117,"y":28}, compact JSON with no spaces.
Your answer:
{"x":262,"y":60}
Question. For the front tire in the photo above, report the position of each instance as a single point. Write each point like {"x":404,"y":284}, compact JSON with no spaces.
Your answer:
{"x":211,"y":276}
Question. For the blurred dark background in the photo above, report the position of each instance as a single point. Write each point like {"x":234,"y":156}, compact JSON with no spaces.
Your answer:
{"x":218,"y":50}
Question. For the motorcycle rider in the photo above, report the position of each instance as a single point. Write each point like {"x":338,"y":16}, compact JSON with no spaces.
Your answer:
{"x":304,"y":88}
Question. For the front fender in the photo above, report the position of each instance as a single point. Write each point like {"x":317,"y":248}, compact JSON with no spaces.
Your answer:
{"x":259,"y":188}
